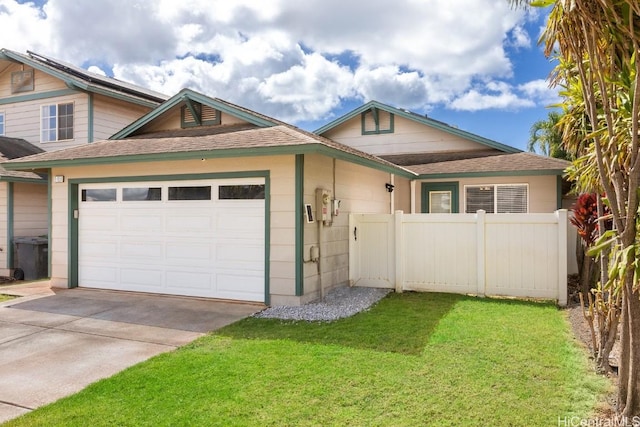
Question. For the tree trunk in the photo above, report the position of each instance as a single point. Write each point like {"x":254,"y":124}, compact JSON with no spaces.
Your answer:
{"x":586,"y":274}
{"x":629,"y":374}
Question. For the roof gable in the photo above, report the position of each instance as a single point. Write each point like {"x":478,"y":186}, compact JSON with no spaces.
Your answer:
{"x":190,"y":99}
{"x":435,"y":124}
{"x":78,"y":78}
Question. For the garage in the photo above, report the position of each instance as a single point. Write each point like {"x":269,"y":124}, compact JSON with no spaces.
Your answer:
{"x":200,"y":238}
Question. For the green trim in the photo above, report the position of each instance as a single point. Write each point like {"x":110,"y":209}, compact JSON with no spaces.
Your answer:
{"x":488,"y":174}
{"x":187,"y":95}
{"x":24,"y":180}
{"x":73,"y":235}
{"x":39,"y":95}
{"x":299,"y":179}
{"x":376,"y":119}
{"x":213,"y":154}
{"x":419,"y":119}
{"x":188,"y":104}
{"x":10,"y":225}
{"x":90,"y":118}
{"x":73,"y":204}
{"x":49,"y":222}
{"x":453,"y":186}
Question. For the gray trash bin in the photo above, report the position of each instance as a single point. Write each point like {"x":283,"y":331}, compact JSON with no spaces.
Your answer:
{"x":32,"y":256}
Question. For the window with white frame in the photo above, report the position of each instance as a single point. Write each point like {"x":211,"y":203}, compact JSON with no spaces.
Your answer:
{"x":56,"y":122}
{"x":2,"y":124}
{"x":497,"y":198}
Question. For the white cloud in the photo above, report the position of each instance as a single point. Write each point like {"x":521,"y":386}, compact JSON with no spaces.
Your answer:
{"x":280,"y":57}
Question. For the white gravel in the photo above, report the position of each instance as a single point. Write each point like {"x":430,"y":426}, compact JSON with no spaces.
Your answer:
{"x":338,"y":303}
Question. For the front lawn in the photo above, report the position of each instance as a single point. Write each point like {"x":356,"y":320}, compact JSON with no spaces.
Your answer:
{"x":414,"y":359}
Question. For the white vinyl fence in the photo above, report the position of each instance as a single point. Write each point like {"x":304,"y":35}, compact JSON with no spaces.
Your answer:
{"x":519,"y":255}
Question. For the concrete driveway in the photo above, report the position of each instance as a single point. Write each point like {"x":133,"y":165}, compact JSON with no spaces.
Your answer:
{"x":54,"y":343}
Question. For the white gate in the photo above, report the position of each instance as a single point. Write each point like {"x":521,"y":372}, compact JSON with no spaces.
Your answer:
{"x":521,"y":255}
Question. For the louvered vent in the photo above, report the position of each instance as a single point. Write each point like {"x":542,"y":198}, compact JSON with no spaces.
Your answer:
{"x":205,"y":115}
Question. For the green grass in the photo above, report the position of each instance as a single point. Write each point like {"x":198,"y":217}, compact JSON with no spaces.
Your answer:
{"x":5,"y":297}
{"x":414,"y":359}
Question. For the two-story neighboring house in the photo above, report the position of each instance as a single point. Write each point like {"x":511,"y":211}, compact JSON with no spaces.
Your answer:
{"x":52,"y":105}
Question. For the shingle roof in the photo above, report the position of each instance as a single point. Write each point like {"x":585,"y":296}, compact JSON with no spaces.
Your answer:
{"x":280,"y":136}
{"x":435,"y":157}
{"x":13,"y":148}
{"x":518,"y":162}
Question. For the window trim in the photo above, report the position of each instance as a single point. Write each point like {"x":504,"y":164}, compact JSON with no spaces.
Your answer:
{"x":57,"y":128}
{"x":377,"y":130}
{"x":495,"y":194}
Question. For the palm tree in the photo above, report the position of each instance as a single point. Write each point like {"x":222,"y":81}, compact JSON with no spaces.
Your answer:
{"x":546,"y":136}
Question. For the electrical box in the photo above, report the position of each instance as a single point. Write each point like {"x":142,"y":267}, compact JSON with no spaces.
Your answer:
{"x":336,"y":207}
{"x":324,"y":205}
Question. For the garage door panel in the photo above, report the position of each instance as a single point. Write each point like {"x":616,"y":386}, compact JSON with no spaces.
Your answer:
{"x":134,"y":249}
{"x":184,"y":279}
{"x":151,"y":280}
{"x":207,"y":248}
{"x":141,"y":222}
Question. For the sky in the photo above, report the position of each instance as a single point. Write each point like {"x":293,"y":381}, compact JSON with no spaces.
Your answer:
{"x":474,"y":64}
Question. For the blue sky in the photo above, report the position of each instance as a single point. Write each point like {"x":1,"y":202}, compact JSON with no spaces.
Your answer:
{"x":474,"y":64}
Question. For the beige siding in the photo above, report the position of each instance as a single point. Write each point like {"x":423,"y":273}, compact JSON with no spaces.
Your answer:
{"x":408,"y":137}
{"x":22,"y":120}
{"x":282,"y":172}
{"x":542,"y":190}
{"x":360,"y":190}
{"x":171,"y":121}
{"x":4,"y":236}
{"x":42,"y":82}
{"x":30,"y":210}
{"x":110,"y":115}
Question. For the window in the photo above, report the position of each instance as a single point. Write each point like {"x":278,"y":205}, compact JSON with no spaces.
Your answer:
{"x":376,"y":121}
{"x":57,"y":122}
{"x":1,"y":123}
{"x":99,"y":195}
{"x":141,"y":194}
{"x":190,"y":193}
{"x":228,"y":192}
{"x":440,"y":201}
{"x":499,"y":198}
{"x":22,"y":81}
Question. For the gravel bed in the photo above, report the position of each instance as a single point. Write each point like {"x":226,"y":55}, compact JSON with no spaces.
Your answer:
{"x":338,"y":303}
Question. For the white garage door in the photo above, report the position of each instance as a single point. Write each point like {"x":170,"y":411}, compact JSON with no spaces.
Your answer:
{"x":202,"y":238}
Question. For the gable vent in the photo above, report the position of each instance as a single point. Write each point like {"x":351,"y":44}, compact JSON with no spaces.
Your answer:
{"x":198,"y":115}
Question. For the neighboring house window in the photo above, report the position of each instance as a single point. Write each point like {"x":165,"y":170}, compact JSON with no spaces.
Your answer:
{"x":2,"y":125}
{"x":22,"y":81}
{"x":57,"y":122}
{"x":499,"y":198}
{"x":376,"y":121}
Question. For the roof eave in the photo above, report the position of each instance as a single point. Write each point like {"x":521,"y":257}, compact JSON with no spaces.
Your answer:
{"x":480,"y":174}
{"x":212,"y":154}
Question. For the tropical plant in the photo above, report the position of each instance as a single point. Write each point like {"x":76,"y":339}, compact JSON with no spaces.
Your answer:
{"x":546,"y":136}
{"x":597,"y":42}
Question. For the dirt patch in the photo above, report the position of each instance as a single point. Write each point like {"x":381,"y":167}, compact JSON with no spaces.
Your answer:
{"x":4,"y":280}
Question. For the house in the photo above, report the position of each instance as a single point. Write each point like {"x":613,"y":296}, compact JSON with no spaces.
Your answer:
{"x":457,"y":171}
{"x":52,"y":105}
{"x":23,"y":201}
{"x":56,"y":105}
{"x":201,"y":197}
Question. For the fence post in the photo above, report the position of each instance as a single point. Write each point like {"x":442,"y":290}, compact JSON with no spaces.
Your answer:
{"x":398,"y":251}
{"x":561,"y":216}
{"x":480,"y":251}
